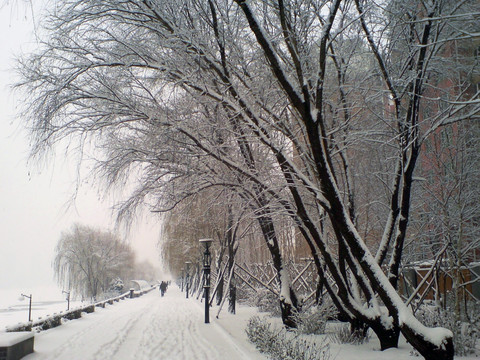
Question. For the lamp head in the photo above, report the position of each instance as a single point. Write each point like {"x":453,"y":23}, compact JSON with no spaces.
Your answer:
{"x":206,"y":241}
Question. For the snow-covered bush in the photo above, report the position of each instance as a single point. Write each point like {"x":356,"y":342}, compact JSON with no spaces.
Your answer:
{"x":50,"y":322}
{"x":262,"y":298}
{"x":259,"y":332}
{"x":314,"y":319}
{"x":343,"y":334}
{"x":465,"y":333}
{"x":281,"y":345}
{"x":116,"y":286}
{"x":73,"y":314}
{"x":266,"y":301}
{"x":245,"y":294}
{"x":25,"y":326}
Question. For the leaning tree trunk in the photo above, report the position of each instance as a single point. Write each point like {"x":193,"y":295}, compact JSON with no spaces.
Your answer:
{"x":231,"y":251}
{"x":388,"y":334}
{"x":426,"y":347}
{"x":220,"y":279}
{"x":219,"y":295}
{"x":232,"y":295}
{"x":288,"y":302}
{"x":288,"y":298}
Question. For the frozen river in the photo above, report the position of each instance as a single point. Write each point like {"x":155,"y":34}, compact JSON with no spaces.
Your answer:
{"x":46,"y":301}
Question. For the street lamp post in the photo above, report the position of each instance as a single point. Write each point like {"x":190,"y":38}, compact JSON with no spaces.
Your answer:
{"x":187,"y":277}
{"x":29,"y":306}
{"x":68,"y":298}
{"x":206,"y":276}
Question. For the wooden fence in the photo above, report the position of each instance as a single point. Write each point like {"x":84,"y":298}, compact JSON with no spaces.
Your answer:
{"x":417,"y":283}
{"x":436,"y":282}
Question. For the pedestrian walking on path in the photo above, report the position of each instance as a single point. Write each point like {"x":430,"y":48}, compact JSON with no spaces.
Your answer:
{"x":163,"y":287}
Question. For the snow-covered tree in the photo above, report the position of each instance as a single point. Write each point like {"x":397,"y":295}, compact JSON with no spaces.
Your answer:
{"x":88,"y":260}
{"x":274,"y":101}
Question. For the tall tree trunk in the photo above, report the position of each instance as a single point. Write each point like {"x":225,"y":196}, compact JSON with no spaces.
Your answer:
{"x":388,"y":337}
{"x":288,"y":298}
{"x":232,"y":295}
{"x":231,"y":250}
{"x":219,"y":295}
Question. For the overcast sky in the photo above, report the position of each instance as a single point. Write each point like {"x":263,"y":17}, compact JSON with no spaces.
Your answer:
{"x":33,"y":199}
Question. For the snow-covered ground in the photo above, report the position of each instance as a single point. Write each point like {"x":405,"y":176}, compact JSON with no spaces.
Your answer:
{"x":148,"y":327}
{"x":171,"y":328}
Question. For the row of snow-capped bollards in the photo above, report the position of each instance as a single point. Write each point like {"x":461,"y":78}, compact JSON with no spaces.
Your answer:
{"x":56,"y":319}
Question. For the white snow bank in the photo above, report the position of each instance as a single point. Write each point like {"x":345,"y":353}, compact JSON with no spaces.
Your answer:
{"x":9,"y":339}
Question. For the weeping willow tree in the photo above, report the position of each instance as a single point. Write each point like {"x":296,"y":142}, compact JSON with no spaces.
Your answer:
{"x":87,"y":260}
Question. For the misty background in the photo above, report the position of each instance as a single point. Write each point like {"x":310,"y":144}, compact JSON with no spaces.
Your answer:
{"x":36,"y":202}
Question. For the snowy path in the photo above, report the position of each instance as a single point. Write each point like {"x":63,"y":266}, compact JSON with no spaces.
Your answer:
{"x":149,"y":327}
